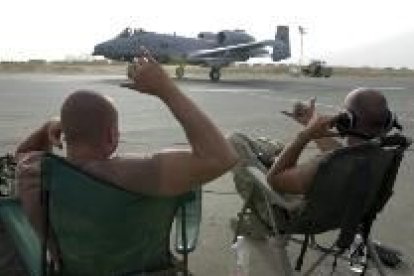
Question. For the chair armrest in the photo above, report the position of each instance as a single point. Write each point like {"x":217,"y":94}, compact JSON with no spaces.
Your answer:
{"x":270,"y":194}
{"x":189,"y":212}
{"x":22,"y":233}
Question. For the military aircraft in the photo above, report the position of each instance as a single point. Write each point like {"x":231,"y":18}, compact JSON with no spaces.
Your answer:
{"x":214,"y":50}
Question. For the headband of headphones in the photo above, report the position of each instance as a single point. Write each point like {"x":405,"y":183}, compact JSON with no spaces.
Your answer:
{"x":347,"y":120}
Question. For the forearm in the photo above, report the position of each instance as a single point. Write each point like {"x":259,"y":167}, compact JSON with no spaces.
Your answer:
{"x":205,"y":138}
{"x":37,"y":141}
{"x":289,"y":156}
{"x":327,"y":144}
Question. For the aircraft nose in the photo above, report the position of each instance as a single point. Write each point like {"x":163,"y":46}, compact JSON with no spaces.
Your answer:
{"x":99,"y":50}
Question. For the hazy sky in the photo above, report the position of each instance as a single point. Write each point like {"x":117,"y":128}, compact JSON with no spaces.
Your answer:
{"x":58,"y":29}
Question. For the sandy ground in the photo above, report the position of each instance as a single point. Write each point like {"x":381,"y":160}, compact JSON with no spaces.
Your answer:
{"x":247,"y":104}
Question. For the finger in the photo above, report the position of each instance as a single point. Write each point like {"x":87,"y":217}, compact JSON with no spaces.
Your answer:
{"x":140,"y":51}
{"x":141,"y":61}
{"x":145,"y":53}
{"x":149,"y":57}
{"x":312,"y":102}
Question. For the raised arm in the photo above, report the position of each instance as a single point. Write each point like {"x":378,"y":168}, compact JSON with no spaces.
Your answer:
{"x":42,"y":139}
{"x":210,"y":154}
{"x":302,"y":113}
{"x":285,"y":175}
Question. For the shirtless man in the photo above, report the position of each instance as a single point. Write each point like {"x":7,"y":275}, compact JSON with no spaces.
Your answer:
{"x":89,"y":123}
{"x":372,"y":119}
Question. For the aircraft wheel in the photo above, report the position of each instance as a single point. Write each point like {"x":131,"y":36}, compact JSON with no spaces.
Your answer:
{"x":215,"y":74}
{"x":179,"y":72}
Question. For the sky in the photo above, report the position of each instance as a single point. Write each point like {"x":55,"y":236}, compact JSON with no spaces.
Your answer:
{"x":55,"y":30}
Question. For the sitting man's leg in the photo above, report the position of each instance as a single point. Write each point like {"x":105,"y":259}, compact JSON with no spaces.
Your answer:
{"x":259,"y":153}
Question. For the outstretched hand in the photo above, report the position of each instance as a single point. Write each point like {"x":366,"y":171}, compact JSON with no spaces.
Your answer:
{"x":302,"y":112}
{"x":316,"y":125}
{"x":149,"y":77}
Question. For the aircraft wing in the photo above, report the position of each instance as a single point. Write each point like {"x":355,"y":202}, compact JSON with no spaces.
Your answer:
{"x":230,"y":50}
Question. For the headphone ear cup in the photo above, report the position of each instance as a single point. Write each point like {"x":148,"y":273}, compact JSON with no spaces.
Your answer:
{"x":391,"y":121}
{"x":345,"y":121}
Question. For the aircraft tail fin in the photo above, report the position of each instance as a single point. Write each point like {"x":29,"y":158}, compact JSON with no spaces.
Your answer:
{"x":281,"y":50}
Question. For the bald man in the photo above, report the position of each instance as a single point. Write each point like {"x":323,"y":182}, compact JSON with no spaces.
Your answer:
{"x":89,"y":123}
{"x":371,"y":114}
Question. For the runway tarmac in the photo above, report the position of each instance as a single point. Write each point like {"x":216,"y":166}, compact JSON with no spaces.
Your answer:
{"x":251,"y":106}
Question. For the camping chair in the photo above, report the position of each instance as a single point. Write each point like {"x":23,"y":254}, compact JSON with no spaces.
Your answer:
{"x":15,"y":221}
{"x":352,"y":185}
{"x":101,"y":229}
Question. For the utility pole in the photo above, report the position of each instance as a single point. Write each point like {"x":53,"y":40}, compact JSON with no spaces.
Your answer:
{"x":302,"y":31}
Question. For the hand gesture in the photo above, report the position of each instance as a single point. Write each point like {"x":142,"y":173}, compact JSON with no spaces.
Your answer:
{"x":319,"y":126}
{"x":302,"y":112}
{"x":149,"y":77}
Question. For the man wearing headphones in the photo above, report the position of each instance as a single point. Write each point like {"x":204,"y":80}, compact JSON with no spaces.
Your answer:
{"x":366,"y":116}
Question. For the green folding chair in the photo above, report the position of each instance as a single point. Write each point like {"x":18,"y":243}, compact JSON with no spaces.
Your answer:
{"x":101,"y":229}
{"x":19,"y":229}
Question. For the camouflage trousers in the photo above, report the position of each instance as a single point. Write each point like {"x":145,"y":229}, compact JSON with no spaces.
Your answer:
{"x":252,"y":152}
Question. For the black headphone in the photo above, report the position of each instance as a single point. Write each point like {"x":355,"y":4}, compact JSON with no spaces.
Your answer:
{"x":347,"y":120}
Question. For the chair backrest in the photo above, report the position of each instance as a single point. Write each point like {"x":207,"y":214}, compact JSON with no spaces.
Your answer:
{"x":25,"y":240}
{"x":351,"y":185}
{"x":102,"y":229}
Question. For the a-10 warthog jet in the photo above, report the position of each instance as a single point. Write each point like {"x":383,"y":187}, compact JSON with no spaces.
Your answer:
{"x":214,"y":50}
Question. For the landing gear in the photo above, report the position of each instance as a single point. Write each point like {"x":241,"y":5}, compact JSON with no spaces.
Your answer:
{"x":179,"y":72}
{"x":215,"y":74}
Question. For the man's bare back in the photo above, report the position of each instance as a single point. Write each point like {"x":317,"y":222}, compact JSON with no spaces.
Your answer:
{"x":89,"y":124}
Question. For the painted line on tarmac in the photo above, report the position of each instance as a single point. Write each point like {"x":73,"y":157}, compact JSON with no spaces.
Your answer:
{"x":229,"y":90}
{"x":295,"y":100}
{"x":389,"y":88}
{"x":253,"y":93}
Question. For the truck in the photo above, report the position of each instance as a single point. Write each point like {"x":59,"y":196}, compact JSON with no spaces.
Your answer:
{"x":317,"y":68}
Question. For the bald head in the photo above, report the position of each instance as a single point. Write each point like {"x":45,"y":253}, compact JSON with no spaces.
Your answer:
{"x":370,"y":108}
{"x":87,"y":117}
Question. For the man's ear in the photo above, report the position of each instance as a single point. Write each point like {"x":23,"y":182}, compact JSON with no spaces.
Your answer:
{"x":113,"y":135}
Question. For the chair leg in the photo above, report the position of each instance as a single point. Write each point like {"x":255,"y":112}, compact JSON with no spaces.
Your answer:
{"x":240,"y":217}
{"x":375,"y":259}
{"x":280,"y":242}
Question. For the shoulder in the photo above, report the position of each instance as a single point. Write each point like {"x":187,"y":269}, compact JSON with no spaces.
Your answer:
{"x":134,"y":173}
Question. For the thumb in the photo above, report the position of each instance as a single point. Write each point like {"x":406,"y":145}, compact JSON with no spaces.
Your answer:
{"x":312,"y":102}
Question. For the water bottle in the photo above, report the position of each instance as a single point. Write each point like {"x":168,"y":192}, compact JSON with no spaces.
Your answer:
{"x":241,"y":257}
{"x":358,"y":254}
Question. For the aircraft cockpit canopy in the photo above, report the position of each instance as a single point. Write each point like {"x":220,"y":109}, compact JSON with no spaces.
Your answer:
{"x":139,"y":31}
{"x":127,"y":32}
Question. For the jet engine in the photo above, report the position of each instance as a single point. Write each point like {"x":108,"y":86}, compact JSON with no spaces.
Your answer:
{"x":225,"y":38}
